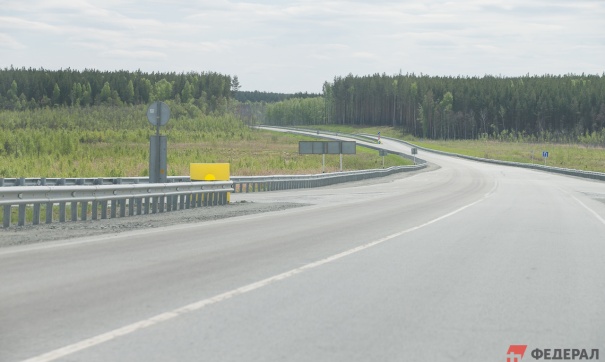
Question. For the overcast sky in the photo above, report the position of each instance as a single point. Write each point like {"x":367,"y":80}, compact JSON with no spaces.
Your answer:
{"x":296,"y":45}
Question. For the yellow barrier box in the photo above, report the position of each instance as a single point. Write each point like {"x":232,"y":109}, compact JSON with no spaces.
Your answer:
{"x":210,"y":172}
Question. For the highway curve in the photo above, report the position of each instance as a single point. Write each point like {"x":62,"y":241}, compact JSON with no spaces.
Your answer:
{"x":454,"y":264}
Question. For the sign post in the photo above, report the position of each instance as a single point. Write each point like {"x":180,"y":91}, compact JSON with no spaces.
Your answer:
{"x":383,"y":153}
{"x":327,"y":147}
{"x":158,"y":114}
{"x":414,"y":153}
{"x":545,"y":156}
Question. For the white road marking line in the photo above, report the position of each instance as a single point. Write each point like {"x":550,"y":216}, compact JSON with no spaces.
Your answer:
{"x":594,"y":213}
{"x":163,"y":317}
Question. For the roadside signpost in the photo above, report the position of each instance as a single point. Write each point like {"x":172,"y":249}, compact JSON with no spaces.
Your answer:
{"x":158,"y":114}
{"x":414,"y":153}
{"x":327,"y":147}
{"x":383,"y":153}
{"x":545,"y":156}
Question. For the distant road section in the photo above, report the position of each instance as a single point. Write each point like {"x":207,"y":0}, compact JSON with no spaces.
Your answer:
{"x":455,"y":264}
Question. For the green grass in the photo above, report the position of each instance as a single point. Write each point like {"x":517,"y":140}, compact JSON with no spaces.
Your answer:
{"x":384,"y":131}
{"x":574,"y":156}
{"x":126,"y":154}
{"x":578,"y":157}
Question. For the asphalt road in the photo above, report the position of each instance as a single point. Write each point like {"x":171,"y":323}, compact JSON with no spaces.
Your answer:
{"x":455,"y":264}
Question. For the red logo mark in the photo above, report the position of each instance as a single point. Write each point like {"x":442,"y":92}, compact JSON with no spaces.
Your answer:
{"x":515,"y":352}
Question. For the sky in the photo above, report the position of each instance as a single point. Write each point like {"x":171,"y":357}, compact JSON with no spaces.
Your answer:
{"x":290,"y":46}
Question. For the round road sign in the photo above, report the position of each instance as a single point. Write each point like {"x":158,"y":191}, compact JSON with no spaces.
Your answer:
{"x":158,"y":113}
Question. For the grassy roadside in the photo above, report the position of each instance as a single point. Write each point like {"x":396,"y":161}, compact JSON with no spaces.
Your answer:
{"x":258,"y":153}
{"x":574,"y":156}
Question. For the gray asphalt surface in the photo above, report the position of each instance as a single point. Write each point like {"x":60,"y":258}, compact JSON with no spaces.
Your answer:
{"x":455,"y":264}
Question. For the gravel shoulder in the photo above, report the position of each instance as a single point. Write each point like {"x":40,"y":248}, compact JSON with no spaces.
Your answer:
{"x":30,"y":234}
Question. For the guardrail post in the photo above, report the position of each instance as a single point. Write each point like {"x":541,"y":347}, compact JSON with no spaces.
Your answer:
{"x":49,"y":213}
{"x":104,"y":209}
{"x":84,"y":212}
{"x":74,"y":211}
{"x":114,"y":208}
{"x":122,"y":207}
{"x":154,"y":204}
{"x":36,"y":215}
{"x":94,"y":208}
{"x":169,"y":203}
{"x":61,"y":212}
{"x":21,"y":220}
{"x":139,"y":201}
{"x":6,"y":221}
{"x":131,"y":206}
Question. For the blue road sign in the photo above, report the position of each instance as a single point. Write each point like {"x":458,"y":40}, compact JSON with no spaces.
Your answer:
{"x":545,"y":154}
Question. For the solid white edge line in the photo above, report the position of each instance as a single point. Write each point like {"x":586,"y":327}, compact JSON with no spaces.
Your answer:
{"x":594,"y":213}
{"x":163,"y":317}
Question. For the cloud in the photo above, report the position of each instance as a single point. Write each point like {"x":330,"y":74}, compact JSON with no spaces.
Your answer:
{"x":298,"y":44}
{"x":364,"y":55}
{"x":134,"y":54}
{"x":16,"y":23}
{"x":8,"y":42}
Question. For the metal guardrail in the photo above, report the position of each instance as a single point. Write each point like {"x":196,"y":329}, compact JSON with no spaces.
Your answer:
{"x":286,"y":182}
{"x":37,"y":181}
{"x":564,"y":171}
{"x":127,"y":196}
{"x":323,"y":134}
{"x":114,"y":201}
{"x":53,"y":199}
{"x":82,"y":198}
{"x":272,"y":183}
{"x":363,"y":137}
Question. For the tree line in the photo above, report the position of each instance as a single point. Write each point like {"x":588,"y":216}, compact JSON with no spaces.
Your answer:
{"x":471,"y":107}
{"x":549,"y":107}
{"x":270,"y":97}
{"x":22,"y":88}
